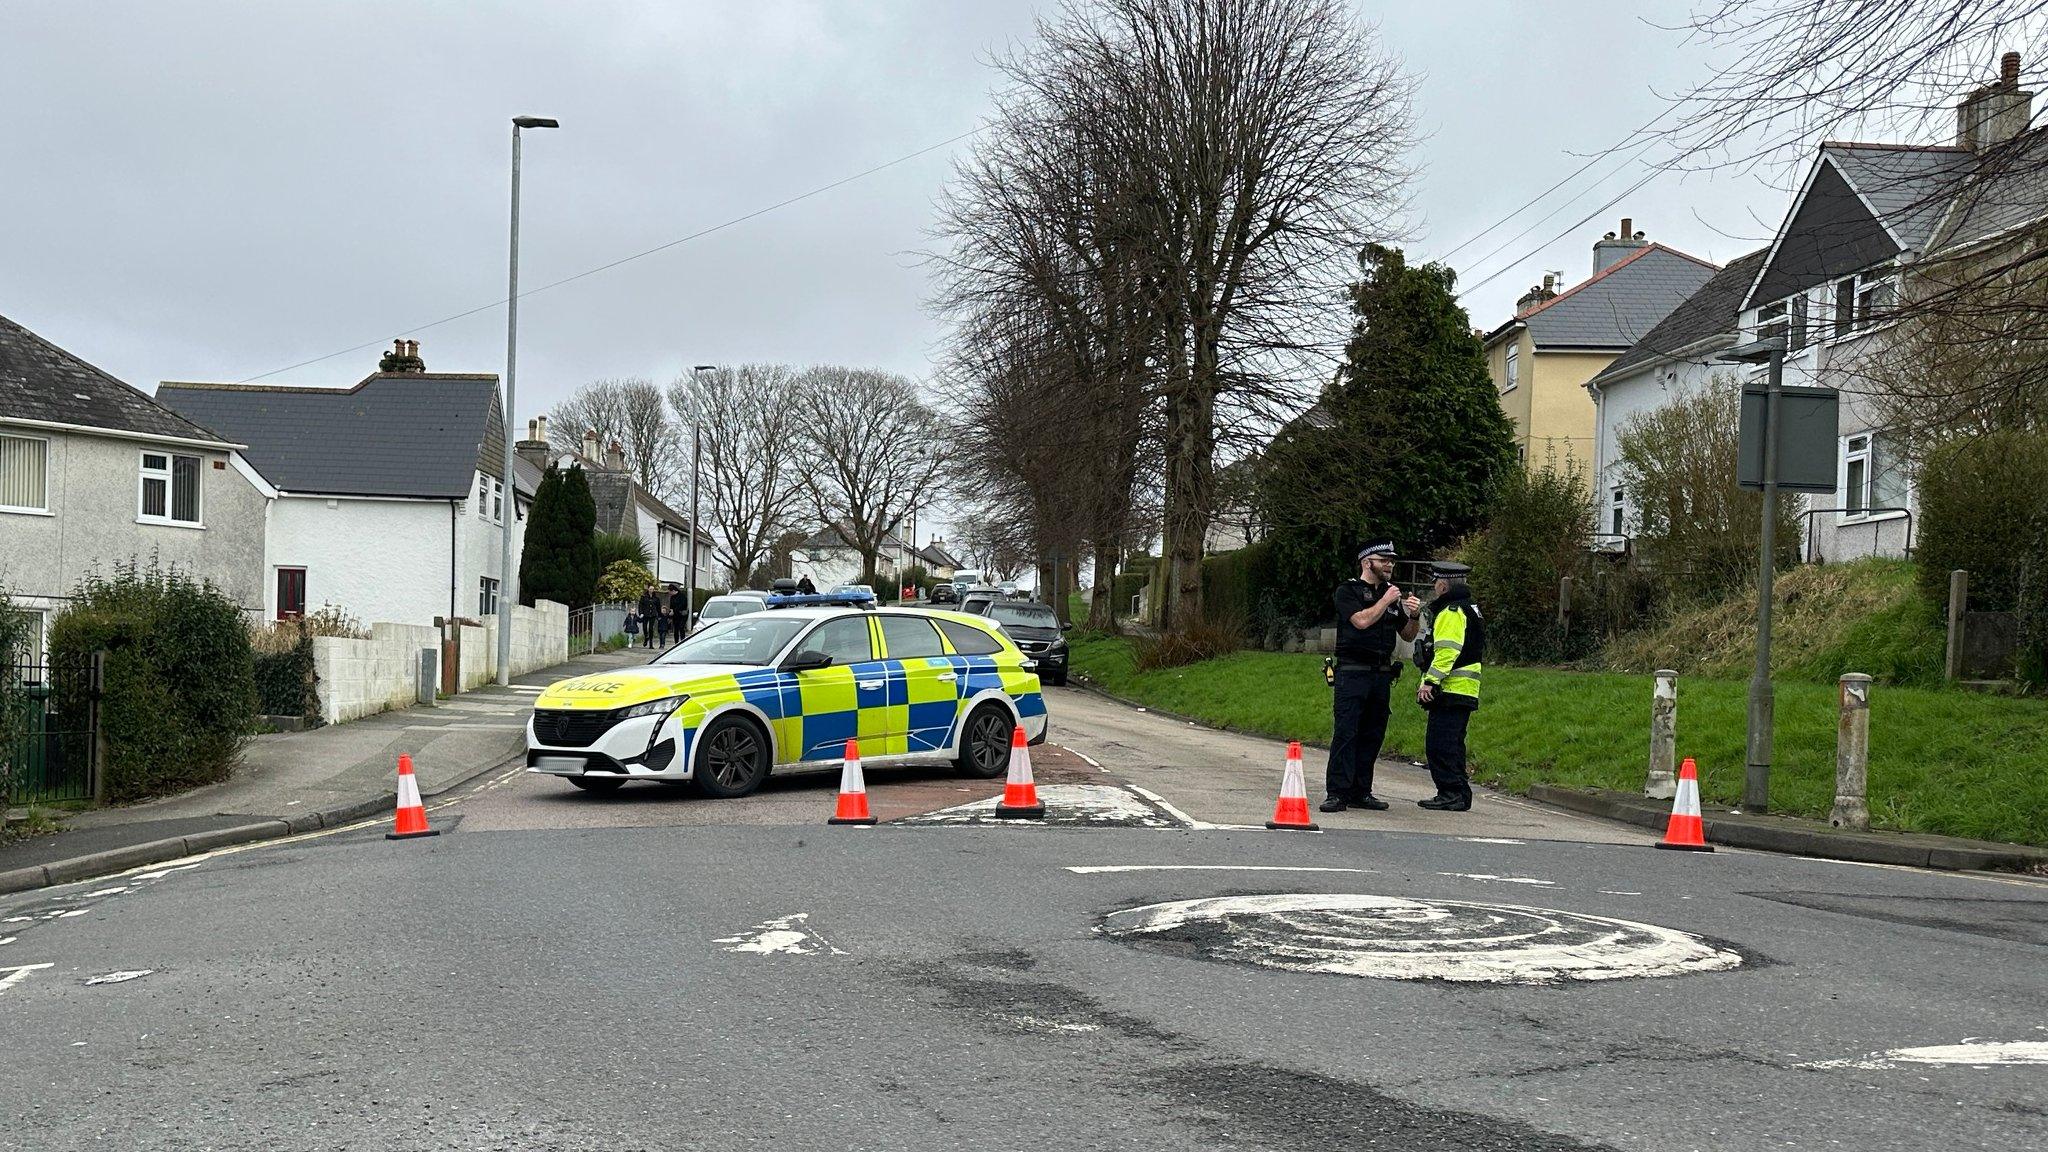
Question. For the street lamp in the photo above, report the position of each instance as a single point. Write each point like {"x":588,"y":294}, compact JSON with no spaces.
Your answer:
{"x":1756,"y":777}
{"x":696,"y":457}
{"x":508,"y":580}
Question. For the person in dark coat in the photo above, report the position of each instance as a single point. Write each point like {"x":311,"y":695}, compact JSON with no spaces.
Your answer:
{"x":650,"y":613}
{"x":804,"y":587}
{"x":679,"y":611}
{"x":1372,"y":613}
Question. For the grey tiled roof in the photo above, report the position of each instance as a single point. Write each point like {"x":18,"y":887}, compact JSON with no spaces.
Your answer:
{"x":40,"y":381}
{"x":1620,"y":305}
{"x":2010,"y":189}
{"x":1711,"y":311}
{"x":1908,"y":187}
{"x":420,"y":434}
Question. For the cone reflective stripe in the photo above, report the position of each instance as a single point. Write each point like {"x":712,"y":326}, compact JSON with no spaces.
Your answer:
{"x":1020,"y":793}
{"x":412,"y":815}
{"x":853,"y":790}
{"x":1292,"y":810}
{"x":1686,"y":831}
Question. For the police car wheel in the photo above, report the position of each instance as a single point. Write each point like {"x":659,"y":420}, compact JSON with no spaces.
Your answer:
{"x":597,"y":783}
{"x":985,"y":743}
{"x":733,"y":760}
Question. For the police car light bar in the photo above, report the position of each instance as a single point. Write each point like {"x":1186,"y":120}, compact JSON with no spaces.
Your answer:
{"x":824,"y":600}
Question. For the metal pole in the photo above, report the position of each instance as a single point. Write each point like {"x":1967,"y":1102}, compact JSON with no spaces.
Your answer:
{"x":1852,"y":755}
{"x":696,"y":460}
{"x":506,"y":576}
{"x":1756,"y":779}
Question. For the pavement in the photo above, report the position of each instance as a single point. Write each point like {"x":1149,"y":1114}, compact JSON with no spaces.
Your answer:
{"x":292,"y":782}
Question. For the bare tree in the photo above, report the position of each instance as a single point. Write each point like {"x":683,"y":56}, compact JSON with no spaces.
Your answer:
{"x":631,"y":412}
{"x":752,"y":483}
{"x":872,"y":452}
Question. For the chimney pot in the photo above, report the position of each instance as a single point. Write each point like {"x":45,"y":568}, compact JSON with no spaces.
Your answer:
{"x":2009,"y":70}
{"x":1637,"y":236}
{"x":1625,"y":229}
{"x":1609,"y":236}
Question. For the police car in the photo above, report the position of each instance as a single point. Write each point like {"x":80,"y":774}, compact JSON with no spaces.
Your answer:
{"x":787,"y":688}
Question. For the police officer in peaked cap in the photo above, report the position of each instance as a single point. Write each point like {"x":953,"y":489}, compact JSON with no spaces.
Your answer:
{"x":1371,"y":613}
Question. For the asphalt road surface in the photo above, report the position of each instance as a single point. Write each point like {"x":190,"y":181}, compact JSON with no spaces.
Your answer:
{"x":649,"y":970}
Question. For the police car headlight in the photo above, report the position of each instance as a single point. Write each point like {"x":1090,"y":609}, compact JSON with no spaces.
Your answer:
{"x":661,"y":707}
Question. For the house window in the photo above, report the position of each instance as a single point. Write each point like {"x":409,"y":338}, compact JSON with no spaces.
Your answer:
{"x":1770,"y":321}
{"x":486,"y":596}
{"x":1514,"y":374}
{"x":1873,"y":477}
{"x":24,"y":474}
{"x":1875,"y":298}
{"x":291,"y":593}
{"x":483,"y":496}
{"x":170,"y":488}
{"x":1798,"y":338}
{"x":1845,"y":305}
{"x":1856,"y":475}
{"x":497,"y":501}
{"x":1618,"y":512}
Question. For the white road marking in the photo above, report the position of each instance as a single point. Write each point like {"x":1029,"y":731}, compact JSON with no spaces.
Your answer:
{"x":9,"y":939}
{"x":1500,"y":879}
{"x":1970,"y":1054}
{"x":1094,"y":869}
{"x":1395,"y":938}
{"x":1091,"y":761}
{"x":1166,"y":806}
{"x":1044,"y":1025}
{"x":1612,"y":892}
{"x":106,"y":892}
{"x":1490,"y":840}
{"x":1065,"y":804}
{"x":18,"y":973}
{"x":783,"y":935}
{"x":119,"y":977}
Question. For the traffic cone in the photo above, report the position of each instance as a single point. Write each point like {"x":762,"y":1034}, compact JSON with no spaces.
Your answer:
{"x":1020,"y":794}
{"x":1291,"y":813}
{"x":412,"y":815}
{"x":1686,"y":832}
{"x":853,"y":790}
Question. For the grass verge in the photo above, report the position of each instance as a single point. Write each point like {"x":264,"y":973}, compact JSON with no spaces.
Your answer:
{"x":1953,"y":763}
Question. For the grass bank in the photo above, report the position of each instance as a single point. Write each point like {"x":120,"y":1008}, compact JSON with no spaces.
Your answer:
{"x":1953,"y":763}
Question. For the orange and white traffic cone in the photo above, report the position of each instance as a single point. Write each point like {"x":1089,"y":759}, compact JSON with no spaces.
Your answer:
{"x":853,"y":790}
{"x":412,"y":815}
{"x":1686,"y":832}
{"x":1020,"y":793}
{"x":1291,"y":813}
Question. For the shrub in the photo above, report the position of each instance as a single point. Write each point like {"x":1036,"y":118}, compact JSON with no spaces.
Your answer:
{"x":1541,"y":528}
{"x":179,"y":692}
{"x":1204,"y":641}
{"x":612,"y":547}
{"x":623,"y":580}
{"x":14,"y":635}
{"x":1234,"y":583}
{"x":1984,"y":508}
{"x":558,"y":561}
{"x":282,"y":665}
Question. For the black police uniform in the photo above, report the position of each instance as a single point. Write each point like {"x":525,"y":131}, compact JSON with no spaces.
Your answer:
{"x":1366,"y":671}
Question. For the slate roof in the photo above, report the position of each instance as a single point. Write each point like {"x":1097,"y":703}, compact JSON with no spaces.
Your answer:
{"x":40,"y":381}
{"x":1619,"y":305}
{"x":1711,"y":311}
{"x":416,"y":434}
{"x":1909,"y":187}
{"x":2010,"y":189}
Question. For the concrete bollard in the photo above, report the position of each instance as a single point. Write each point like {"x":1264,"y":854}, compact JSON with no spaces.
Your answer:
{"x":1662,"y":783}
{"x":1852,"y":755}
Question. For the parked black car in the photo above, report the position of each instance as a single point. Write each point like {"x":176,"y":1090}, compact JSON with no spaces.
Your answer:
{"x":945,"y":594}
{"x":1037,"y":632}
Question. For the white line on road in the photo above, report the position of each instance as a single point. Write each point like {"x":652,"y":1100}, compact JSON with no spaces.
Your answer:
{"x":18,"y":973}
{"x":783,"y":935}
{"x":120,"y":977}
{"x":1970,"y":1054}
{"x":1499,"y":879}
{"x":1095,"y":869}
{"x":1490,"y":840}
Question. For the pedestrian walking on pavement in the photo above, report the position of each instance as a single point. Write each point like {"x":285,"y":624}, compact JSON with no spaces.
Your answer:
{"x":1450,"y":685}
{"x":650,"y":612}
{"x":661,"y":627}
{"x":679,"y":612}
{"x":1371,"y":613}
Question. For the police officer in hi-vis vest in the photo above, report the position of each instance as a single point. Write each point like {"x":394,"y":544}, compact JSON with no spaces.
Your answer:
{"x":1450,"y":685}
{"x":1371,"y":612}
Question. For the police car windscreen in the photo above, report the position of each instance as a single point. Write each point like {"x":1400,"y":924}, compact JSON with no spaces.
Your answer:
{"x":754,"y":639}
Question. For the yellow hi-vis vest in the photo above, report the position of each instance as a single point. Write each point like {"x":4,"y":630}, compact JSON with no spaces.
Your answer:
{"x":1447,"y":637}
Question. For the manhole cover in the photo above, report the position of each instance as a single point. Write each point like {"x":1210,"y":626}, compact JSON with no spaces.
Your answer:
{"x":1399,"y":939}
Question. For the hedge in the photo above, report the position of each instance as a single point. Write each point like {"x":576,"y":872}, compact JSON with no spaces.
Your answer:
{"x":1984,"y":508}
{"x":180,"y":693}
{"x":284,"y":680}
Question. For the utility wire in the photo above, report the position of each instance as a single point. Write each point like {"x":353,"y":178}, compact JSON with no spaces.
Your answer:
{"x":1652,"y":174}
{"x":821,"y":189}
{"x":1540,"y":221}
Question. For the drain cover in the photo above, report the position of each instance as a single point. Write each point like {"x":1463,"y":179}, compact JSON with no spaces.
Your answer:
{"x":1400,"y":939}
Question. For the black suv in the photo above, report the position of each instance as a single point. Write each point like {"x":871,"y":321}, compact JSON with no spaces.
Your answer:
{"x":1037,"y":632}
{"x":944,"y":594}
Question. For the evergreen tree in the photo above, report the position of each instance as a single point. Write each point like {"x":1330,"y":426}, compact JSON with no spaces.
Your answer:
{"x":557,"y":562}
{"x":1407,"y":443}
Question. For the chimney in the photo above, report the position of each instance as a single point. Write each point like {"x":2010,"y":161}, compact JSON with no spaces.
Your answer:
{"x":1615,"y":247}
{"x":534,"y":449}
{"x":403,"y":359}
{"x":590,"y":445}
{"x":541,"y":432}
{"x":1996,"y":112}
{"x":615,"y":457}
{"x":1537,"y":294}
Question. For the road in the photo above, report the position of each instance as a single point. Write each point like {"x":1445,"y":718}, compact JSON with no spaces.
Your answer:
{"x":649,"y":970}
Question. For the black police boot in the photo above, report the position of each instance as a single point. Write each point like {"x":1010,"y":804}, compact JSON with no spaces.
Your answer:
{"x":1370,"y":802}
{"x":1443,"y":803}
{"x":1333,"y":804}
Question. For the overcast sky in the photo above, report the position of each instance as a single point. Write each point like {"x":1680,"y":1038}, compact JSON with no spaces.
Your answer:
{"x":206,"y":190}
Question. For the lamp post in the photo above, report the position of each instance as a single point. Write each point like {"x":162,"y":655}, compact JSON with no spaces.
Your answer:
{"x":507,"y":578}
{"x":1756,"y":776}
{"x":696,"y":458}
